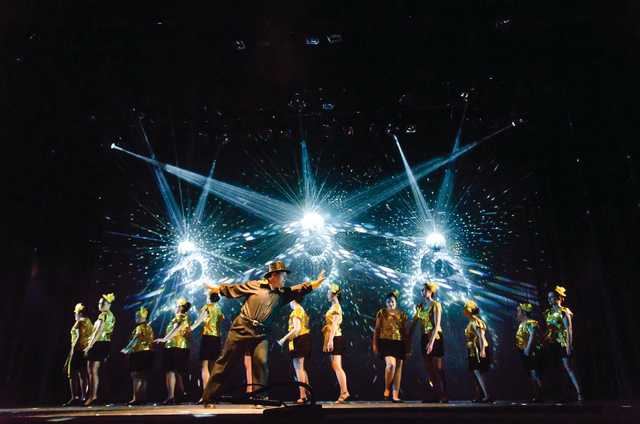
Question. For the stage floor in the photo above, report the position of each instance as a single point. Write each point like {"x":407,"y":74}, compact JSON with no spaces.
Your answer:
{"x":353,"y":412}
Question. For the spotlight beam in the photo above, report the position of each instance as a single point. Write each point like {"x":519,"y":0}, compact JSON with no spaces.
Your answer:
{"x":257,"y":204}
{"x":175,"y":214}
{"x":366,"y":199}
{"x":202,"y":201}
{"x":423,"y":210}
{"x":309,"y":187}
{"x":446,"y":188}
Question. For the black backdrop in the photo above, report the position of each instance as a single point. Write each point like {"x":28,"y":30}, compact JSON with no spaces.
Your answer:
{"x":78,"y":76}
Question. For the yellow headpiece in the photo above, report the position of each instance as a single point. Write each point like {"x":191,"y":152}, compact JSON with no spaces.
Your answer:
{"x":526,"y":307}
{"x":395,"y":293}
{"x":560,"y":291}
{"x":182,"y":301}
{"x":143,"y":312}
{"x":110,"y":297}
{"x":432,"y":286}
{"x":334,"y":288}
{"x":470,"y":306}
{"x":79,"y":308}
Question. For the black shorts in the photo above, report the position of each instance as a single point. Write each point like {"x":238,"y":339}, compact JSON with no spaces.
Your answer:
{"x":480,"y":364}
{"x":302,"y":346}
{"x":339,"y":346}
{"x":394,"y":348}
{"x":141,"y":361}
{"x":553,"y":354}
{"x":533,"y":362}
{"x":438,"y":346}
{"x":175,"y":359}
{"x":99,"y":352}
{"x":210,"y":348}
{"x":77,"y":363}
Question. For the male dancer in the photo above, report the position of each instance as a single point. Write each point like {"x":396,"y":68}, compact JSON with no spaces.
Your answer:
{"x":249,"y":329}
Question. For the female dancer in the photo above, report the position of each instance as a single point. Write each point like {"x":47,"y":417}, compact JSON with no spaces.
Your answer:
{"x":299,"y":345}
{"x":478,"y":349}
{"x":176,"y":352}
{"x":76,"y":365}
{"x":529,"y":347}
{"x":140,"y":356}
{"x":333,"y":342}
{"x":390,"y":338}
{"x":429,"y":315}
{"x":559,"y":337}
{"x":210,"y":346}
{"x":97,"y":351}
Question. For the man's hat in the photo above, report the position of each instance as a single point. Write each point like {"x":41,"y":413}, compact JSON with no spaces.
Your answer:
{"x":277,"y":266}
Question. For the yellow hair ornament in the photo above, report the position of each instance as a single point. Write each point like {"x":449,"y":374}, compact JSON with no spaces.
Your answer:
{"x":79,"y":308}
{"x":182,"y":301}
{"x":143,"y":312}
{"x":110,"y":297}
{"x":432,"y":286}
{"x":470,"y":306}
{"x":526,"y":307}
{"x":334,"y":288}
{"x":560,"y":291}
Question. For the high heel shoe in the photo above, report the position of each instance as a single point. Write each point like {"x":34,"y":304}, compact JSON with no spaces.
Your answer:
{"x":168,"y":401}
{"x":91,"y":402}
{"x":397,"y":401}
{"x":344,"y":398}
{"x":71,"y":402}
{"x":302,"y":401}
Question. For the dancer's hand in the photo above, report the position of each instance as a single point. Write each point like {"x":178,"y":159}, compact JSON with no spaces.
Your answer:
{"x":162,"y":340}
{"x":375,"y":349}
{"x":569,"y":350}
{"x":213,"y":288}
{"x":483,"y":353}
{"x":329,"y":346}
{"x":318,"y":281}
{"x":429,"y":347}
{"x":527,"y":352}
{"x":281,"y":342}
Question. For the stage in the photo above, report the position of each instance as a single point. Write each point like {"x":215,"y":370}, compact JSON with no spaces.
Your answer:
{"x":353,"y":412}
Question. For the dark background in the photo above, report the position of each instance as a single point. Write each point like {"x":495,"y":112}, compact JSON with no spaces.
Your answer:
{"x":77,"y":76}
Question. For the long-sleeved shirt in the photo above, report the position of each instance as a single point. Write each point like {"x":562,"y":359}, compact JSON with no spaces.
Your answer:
{"x":260,"y":301}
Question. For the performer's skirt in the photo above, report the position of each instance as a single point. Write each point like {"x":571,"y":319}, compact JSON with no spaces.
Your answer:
{"x":99,"y":352}
{"x":175,"y":359}
{"x":553,"y":354}
{"x":77,"y":363}
{"x":141,"y":361}
{"x":533,"y":362}
{"x":480,"y":364}
{"x":210,"y":348}
{"x":339,"y":346}
{"x":438,"y":346}
{"x":394,"y":348}
{"x":302,"y":346}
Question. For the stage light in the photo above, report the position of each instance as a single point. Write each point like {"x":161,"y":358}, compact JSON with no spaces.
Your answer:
{"x":312,"y":41}
{"x":114,"y":146}
{"x":312,"y":221}
{"x":436,"y":241}
{"x":239,"y":45}
{"x":186,"y":246}
{"x":334,"y":38}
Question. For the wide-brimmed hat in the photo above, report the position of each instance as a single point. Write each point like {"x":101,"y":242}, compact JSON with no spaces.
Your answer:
{"x":277,"y":266}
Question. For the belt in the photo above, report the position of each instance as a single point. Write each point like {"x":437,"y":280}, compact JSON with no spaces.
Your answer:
{"x":253,"y":322}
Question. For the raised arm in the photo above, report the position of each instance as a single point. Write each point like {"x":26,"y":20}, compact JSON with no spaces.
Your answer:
{"x":311,"y":284}
{"x":234,"y":291}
